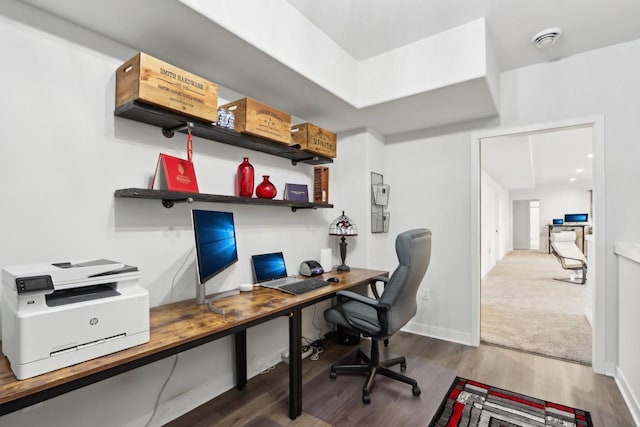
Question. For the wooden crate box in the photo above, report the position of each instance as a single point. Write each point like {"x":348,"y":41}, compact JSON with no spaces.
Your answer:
{"x":321,"y":185}
{"x":314,"y":139}
{"x":258,"y":119}
{"x":148,"y":79}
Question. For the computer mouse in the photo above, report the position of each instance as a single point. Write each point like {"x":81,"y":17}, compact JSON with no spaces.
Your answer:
{"x":333,"y":280}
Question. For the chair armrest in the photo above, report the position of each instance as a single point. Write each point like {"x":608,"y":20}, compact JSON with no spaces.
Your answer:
{"x":581,"y":261}
{"x":374,"y":282}
{"x":381,"y":310}
{"x":360,"y":298}
{"x":568,"y":257}
{"x":574,"y":259}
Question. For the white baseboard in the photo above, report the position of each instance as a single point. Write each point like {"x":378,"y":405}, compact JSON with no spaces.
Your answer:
{"x":439,"y":333}
{"x":587,"y":314}
{"x":190,"y":400}
{"x":180,"y":405}
{"x":628,"y":395}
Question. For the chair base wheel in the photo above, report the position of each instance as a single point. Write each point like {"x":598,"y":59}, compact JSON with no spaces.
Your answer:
{"x":416,"y":390}
{"x":373,"y":367}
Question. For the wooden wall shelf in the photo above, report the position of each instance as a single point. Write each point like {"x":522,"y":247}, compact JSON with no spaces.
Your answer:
{"x":169,"y":121}
{"x":169,"y":198}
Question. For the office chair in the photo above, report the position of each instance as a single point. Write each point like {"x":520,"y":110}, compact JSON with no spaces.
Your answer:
{"x":563,"y":246}
{"x":380,"y":318}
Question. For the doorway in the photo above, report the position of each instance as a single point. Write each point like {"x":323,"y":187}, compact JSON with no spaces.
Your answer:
{"x":597,"y":282}
{"x":526,"y":224}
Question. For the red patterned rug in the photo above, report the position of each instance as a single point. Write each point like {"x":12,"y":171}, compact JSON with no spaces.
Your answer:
{"x":470,"y":403}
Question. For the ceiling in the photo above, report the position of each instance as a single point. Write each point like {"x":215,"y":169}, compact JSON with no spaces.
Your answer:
{"x":366,"y":28}
{"x":251,"y":49}
{"x":557,"y":157}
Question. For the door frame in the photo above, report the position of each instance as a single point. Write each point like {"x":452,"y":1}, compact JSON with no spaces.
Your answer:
{"x":600,"y":326}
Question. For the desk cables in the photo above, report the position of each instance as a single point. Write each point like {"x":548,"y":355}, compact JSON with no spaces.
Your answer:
{"x":315,"y":347}
{"x":155,"y":408}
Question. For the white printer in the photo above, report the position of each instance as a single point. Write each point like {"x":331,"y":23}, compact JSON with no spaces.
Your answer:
{"x":56,"y":315}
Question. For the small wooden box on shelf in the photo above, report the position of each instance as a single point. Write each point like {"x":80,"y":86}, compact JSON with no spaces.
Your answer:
{"x":314,"y":139}
{"x":258,"y":119}
{"x":148,"y":79}
{"x":321,"y":185}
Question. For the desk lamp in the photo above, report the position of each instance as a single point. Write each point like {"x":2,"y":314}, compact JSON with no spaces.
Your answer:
{"x":343,"y":226}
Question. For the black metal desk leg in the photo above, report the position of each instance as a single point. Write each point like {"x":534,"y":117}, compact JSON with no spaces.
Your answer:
{"x":241,"y":359}
{"x":295,"y":363}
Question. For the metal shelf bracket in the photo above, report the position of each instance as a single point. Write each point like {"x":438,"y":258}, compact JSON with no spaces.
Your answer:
{"x":169,"y":203}
{"x":170,"y":132}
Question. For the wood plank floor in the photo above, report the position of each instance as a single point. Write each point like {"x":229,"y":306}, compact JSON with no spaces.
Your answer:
{"x":262,"y":403}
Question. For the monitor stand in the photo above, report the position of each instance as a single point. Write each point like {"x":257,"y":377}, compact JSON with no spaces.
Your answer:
{"x":201,"y":298}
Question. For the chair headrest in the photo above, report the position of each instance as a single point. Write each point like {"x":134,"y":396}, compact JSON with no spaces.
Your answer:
{"x":407,"y":240}
{"x":563,"y":236}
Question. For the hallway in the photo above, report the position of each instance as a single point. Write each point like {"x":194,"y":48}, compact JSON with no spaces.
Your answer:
{"x":525,"y":309}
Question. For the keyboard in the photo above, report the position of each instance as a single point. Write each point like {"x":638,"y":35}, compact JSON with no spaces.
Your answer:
{"x":303,"y":286}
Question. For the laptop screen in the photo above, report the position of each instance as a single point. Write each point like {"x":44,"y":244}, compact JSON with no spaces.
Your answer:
{"x":268,"y":267}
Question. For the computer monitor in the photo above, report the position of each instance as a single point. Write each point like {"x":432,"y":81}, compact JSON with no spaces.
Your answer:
{"x":557,"y":221}
{"x":216,"y":248}
{"x":582,"y":217}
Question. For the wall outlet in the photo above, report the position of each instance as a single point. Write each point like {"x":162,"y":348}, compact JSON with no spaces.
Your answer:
{"x":426,"y":294}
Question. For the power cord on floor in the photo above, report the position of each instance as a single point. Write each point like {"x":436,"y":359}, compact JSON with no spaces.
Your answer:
{"x":316,"y":346}
{"x":313,"y":322}
{"x":267,"y":369}
{"x":316,"y":353}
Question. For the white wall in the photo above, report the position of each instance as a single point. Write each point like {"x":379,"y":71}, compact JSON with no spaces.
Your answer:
{"x":495,"y":223}
{"x":380,"y":250}
{"x":590,"y":300}
{"x":555,"y":201}
{"x":63,"y":155}
{"x":351,"y":194}
{"x":596,"y":83}
{"x":628,"y":372}
{"x":430,"y":187}
{"x":593,"y":84}
{"x":351,"y":191}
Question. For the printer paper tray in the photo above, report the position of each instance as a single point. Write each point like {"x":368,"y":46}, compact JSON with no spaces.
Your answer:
{"x":74,"y":295}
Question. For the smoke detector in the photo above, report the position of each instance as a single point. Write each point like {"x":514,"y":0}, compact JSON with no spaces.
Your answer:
{"x":546,"y":37}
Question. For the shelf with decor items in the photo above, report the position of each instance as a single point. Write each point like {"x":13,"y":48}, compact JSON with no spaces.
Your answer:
{"x":171,"y":122}
{"x":169,"y":198}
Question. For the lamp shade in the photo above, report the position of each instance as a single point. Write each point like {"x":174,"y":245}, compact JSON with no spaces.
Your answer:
{"x":343,"y":226}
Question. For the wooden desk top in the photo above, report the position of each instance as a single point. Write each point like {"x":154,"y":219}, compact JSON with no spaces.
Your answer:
{"x":180,"y":323}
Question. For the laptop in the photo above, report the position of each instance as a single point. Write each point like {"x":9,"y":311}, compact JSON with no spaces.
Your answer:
{"x":270,"y":271}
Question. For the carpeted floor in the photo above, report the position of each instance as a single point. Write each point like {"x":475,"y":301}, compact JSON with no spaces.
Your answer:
{"x":525,"y":309}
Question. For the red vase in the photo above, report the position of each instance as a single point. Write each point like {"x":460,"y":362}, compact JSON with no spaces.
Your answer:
{"x":244,"y":179}
{"x":266,"y":190}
